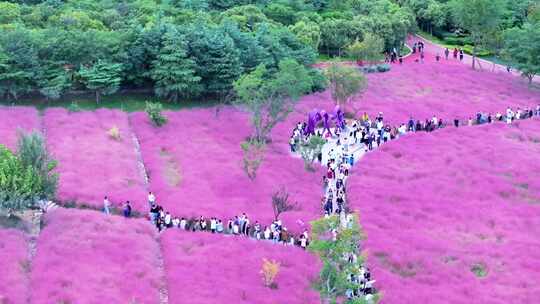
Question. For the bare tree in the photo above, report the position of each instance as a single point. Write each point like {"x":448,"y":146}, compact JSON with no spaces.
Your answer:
{"x":281,"y":203}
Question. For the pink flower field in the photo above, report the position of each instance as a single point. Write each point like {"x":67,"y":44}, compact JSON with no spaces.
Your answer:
{"x":448,"y":89}
{"x":91,"y":163}
{"x":13,"y":267}
{"x":87,"y":257}
{"x":438,"y":207}
{"x":195,"y":168}
{"x":206,"y":268}
{"x":13,"y":119}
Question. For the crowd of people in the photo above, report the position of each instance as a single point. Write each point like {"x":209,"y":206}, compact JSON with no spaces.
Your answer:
{"x":368,"y":133}
{"x":239,"y":225}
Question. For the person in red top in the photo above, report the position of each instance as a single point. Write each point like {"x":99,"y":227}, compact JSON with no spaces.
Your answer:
{"x":455,"y":53}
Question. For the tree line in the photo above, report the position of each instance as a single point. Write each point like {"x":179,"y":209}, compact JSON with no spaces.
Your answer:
{"x":179,"y":49}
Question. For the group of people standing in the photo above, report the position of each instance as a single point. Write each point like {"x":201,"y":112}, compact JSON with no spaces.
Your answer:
{"x":239,"y":225}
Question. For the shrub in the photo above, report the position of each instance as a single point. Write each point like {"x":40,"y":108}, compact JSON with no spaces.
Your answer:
{"x":74,"y":107}
{"x":381,"y":68}
{"x":114,"y":133}
{"x":33,"y":153}
{"x":269,"y":271}
{"x":319,"y":81}
{"x":310,"y":151}
{"x":253,"y":157}
{"x":153,"y":109}
{"x":19,"y":186}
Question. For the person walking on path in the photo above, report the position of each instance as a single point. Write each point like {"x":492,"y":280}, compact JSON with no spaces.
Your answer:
{"x":446,"y":53}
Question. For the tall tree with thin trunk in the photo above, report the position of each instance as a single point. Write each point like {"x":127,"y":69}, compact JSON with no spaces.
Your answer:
{"x":103,"y":77}
{"x":479,"y":18}
{"x":345,"y":82}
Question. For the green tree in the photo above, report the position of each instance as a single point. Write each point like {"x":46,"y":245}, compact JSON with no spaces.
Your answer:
{"x":311,"y":150}
{"x":19,"y":63}
{"x":369,"y":50}
{"x":334,"y":277}
{"x":271,"y":97}
{"x":9,"y":12}
{"x":522,"y":46}
{"x":173,"y":71}
{"x":479,"y":18}
{"x":54,"y":82}
{"x":308,"y":33}
{"x":345,"y":82}
{"x":153,"y":109}
{"x":217,"y":58}
{"x":19,"y":186}
{"x":32,"y":152}
{"x":103,"y":77}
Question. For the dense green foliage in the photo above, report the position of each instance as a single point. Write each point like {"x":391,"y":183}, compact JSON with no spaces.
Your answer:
{"x":153,"y":109}
{"x":334,"y":240}
{"x":523,"y":48}
{"x":345,"y":82}
{"x":27,"y":176}
{"x":270,"y":95}
{"x":178,"y":49}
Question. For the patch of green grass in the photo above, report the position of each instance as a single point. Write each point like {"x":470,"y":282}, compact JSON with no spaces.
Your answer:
{"x":128,"y":102}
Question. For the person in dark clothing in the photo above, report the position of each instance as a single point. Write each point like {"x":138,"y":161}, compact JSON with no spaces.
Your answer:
{"x":127,"y":209}
{"x":456,"y":122}
{"x":418,"y":126}
{"x":461,"y":55}
{"x":455,"y":53}
{"x":489,"y":119}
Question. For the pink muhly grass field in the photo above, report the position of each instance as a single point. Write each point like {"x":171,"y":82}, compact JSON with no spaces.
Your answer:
{"x":195,"y":168}
{"x":88,"y":257}
{"x":206,"y":268}
{"x":14,"y":266}
{"x":13,"y":119}
{"x":448,"y":89}
{"x":437,"y":205}
{"x":91,"y":163}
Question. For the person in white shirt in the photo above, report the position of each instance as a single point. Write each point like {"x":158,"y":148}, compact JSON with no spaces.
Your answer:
{"x":168,"y":220}
{"x":267,"y":233}
{"x":219,"y":226}
{"x":183,"y":224}
{"x":213,"y":225}
{"x":106,"y":205}
{"x":151,"y":198}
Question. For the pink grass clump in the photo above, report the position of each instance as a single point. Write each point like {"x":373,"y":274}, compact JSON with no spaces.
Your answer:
{"x":13,"y":119}
{"x":88,"y":257}
{"x":436,"y":206}
{"x":195,"y":168}
{"x":204,"y":268}
{"x":91,"y":163}
{"x":14,"y":265}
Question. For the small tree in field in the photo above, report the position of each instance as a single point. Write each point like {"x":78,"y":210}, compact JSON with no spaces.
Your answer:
{"x":153,"y":109}
{"x":269,"y":272}
{"x":281,"y":203}
{"x":369,"y":50}
{"x":310,"y":151}
{"x":345,"y":82}
{"x":253,"y":155}
{"x":270,"y":97}
{"x":103,"y":78}
{"x":334,"y":277}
